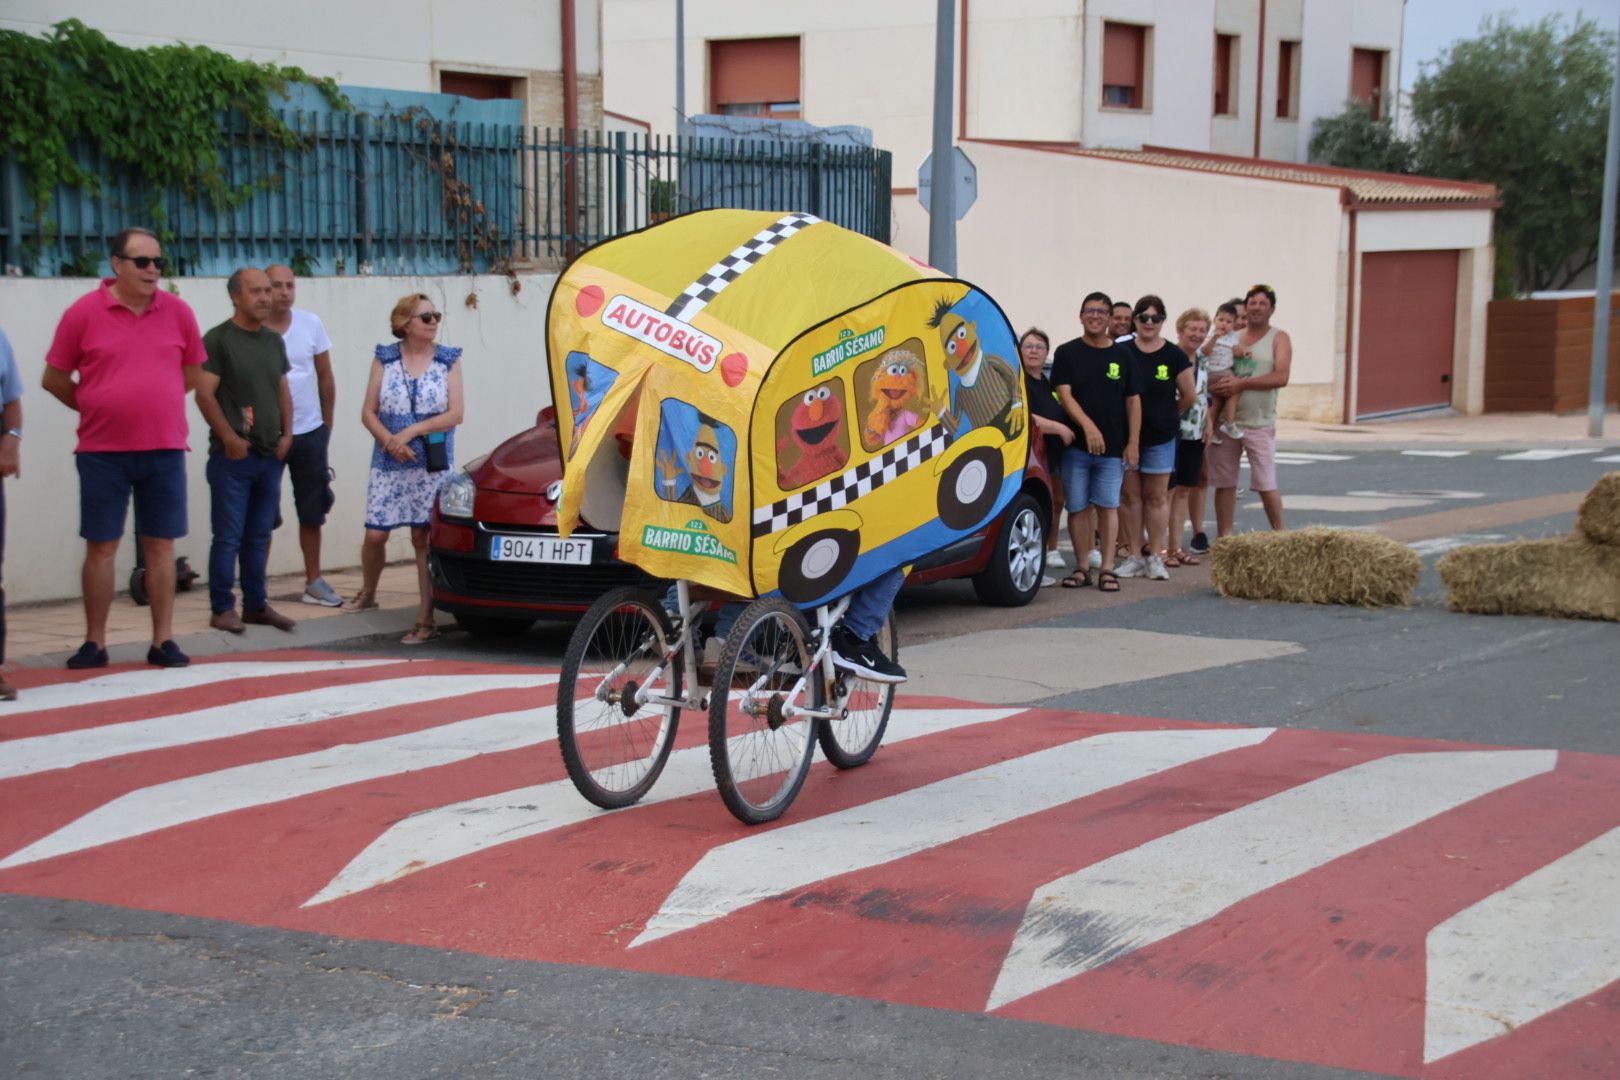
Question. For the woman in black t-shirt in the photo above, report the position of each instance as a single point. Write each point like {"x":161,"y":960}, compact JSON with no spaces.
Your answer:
{"x":1049,"y":421}
{"x":1165,"y":378}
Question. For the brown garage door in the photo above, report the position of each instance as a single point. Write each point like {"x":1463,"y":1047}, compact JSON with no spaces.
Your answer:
{"x":1407,"y":330}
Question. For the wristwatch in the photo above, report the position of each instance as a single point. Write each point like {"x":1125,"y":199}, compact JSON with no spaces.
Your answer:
{"x":14,"y":432}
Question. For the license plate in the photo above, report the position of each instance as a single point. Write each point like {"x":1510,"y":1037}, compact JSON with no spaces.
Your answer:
{"x":543,"y":549}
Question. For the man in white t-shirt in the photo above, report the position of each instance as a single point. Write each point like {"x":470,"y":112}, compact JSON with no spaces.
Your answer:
{"x":309,"y":353}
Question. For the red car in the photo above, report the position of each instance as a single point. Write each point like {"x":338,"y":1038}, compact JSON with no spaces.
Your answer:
{"x":497,"y":563}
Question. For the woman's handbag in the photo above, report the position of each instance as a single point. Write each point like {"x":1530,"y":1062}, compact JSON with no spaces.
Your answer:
{"x":436,"y":456}
{"x":438,"y":453}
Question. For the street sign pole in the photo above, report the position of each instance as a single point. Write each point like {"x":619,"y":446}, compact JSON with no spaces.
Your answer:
{"x":942,"y":213}
{"x":680,"y":66}
{"x":1595,"y":403}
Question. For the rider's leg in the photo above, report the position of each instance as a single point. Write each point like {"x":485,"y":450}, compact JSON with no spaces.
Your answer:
{"x":854,"y":640}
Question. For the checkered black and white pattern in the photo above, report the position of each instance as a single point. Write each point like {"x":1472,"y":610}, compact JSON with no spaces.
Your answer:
{"x":713,"y":281}
{"x":844,"y":488}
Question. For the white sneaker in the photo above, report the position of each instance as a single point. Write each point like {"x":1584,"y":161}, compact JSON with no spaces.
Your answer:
{"x":1094,"y":559}
{"x":1047,"y":581}
{"x":1231,"y":430}
{"x":1156,"y":570}
{"x":1054,"y":559}
{"x":1131,"y":568}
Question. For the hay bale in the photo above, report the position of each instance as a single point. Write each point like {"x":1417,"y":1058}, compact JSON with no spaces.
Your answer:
{"x":1316,"y":566}
{"x":1566,"y":576}
{"x":1599,"y":518}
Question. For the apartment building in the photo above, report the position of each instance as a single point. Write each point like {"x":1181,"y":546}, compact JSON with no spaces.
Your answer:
{"x":1241,"y":77}
{"x":1134,"y":146}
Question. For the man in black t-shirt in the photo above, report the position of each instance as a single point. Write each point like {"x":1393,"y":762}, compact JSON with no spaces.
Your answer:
{"x":1097,"y":386}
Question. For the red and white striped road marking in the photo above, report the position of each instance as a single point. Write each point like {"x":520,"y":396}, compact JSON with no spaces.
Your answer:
{"x":1401,"y":906}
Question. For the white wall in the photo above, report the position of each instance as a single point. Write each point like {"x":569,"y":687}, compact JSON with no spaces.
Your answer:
{"x":1235,"y":134}
{"x":394,"y":47}
{"x":862,"y":63}
{"x":504,"y":372}
{"x":1332,"y":29}
{"x":1180,"y":76}
{"x":1050,"y":227}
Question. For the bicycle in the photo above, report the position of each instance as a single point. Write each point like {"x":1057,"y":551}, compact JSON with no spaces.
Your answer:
{"x":620,"y":697}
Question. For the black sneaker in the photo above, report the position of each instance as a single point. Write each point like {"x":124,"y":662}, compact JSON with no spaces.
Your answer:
{"x":90,"y":655}
{"x":864,"y":658}
{"x":1199,"y":545}
{"x":167,"y":654}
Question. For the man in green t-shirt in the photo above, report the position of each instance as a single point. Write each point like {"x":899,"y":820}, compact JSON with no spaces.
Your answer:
{"x":242,"y":394}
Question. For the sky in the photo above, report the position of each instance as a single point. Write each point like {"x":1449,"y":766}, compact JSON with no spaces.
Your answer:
{"x":1431,"y":25}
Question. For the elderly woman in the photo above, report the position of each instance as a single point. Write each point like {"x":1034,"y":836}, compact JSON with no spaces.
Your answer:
{"x":412,"y":406}
{"x":1049,"y":419}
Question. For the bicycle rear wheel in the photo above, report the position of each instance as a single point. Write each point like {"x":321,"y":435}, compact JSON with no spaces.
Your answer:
{"x":851,"y":740}
{"x":760,"y":757}
{"x":612,"y":747}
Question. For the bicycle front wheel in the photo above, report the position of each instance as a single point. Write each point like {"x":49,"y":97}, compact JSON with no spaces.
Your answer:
{"x":612,"y":746}
{"x":851,"y":739}
{"x":761,"y":757}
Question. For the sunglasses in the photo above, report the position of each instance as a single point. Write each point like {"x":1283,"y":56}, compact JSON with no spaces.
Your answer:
{"x":1103,"y":312}
{"x":143,"y":261}
{"x":431,"y":317}
{"x":1151,"y":320}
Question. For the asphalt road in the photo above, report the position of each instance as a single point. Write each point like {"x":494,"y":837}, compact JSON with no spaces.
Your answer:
{"x":90,"y":990}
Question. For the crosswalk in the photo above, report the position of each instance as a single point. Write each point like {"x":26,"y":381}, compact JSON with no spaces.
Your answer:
{"x":1401,"y":906}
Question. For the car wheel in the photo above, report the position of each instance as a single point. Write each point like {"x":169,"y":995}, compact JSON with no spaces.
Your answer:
{"x":1013,"y":576}
{"x":968,"y":489}
{"x":814,"y":566}
{"x":494,"y":626}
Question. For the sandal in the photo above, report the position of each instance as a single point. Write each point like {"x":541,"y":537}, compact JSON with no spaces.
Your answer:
{"x":1183,"y":558}
{"x":363,"y":601}
{"x":1172,"y":559}
{"x":1077,"y":580}
{"x":421,"y":634}
{"x":1107,"y":581}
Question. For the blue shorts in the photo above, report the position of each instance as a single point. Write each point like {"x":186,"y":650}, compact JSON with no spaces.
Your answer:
{"x":157,"y":479}
{"x":1091,"y":480}
{"x":1158,"y":460}
{"x":311,"y":477}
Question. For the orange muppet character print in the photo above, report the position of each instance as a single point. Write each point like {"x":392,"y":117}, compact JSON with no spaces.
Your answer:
{"x":895,"y":393}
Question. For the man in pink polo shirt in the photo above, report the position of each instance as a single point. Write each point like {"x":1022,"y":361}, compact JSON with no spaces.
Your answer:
{"x":136,"y":350}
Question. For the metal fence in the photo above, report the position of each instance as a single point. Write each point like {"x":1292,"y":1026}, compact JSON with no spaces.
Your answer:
{"x":416,"y":194}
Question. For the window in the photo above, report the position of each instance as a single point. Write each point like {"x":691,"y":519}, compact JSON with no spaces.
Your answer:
{"x":483,"y":87}
{"x":1124,"y":66}
{"x":1287,"y":80}
{"x":1226,"y":74}
{"x":1367,"y":78}
{"x":755,"y":77}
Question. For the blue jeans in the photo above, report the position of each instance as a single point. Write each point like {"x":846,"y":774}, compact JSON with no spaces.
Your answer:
{"x":245,"y":497}
{"x":869,"y":605}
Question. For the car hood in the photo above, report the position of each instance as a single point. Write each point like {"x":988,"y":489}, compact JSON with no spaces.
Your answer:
{"x":525,"y":464}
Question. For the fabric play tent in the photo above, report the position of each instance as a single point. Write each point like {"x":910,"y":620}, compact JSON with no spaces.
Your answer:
{"x":762,"y":402}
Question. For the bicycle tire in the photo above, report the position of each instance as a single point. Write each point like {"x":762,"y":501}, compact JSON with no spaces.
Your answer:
{"x":849,"y":742}
{"x":759,"y":760}
{"x":614,"y":757}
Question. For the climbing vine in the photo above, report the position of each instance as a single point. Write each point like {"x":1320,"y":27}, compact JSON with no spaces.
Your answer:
{"x":162,"y":114}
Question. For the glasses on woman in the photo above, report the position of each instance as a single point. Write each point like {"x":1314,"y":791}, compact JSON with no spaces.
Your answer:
{"x":1151,"y":320}
{"x":431,"y":317}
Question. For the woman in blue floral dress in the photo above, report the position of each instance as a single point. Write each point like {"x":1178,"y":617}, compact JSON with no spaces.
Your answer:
{"x":414,"y":389}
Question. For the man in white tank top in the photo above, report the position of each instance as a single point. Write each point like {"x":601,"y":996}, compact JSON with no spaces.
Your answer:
{"x":1261,"y":363}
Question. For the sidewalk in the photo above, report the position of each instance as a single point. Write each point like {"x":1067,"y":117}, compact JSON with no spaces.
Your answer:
{"x":1461,"y":432}
{"x":46,"y":634}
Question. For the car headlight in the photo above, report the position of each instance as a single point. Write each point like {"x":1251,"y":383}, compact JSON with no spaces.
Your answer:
{"x":456,"y":496}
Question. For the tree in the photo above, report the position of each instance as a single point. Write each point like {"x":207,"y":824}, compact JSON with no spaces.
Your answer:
{"x":1353,"y":139}
{"x":1525,"y":108}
